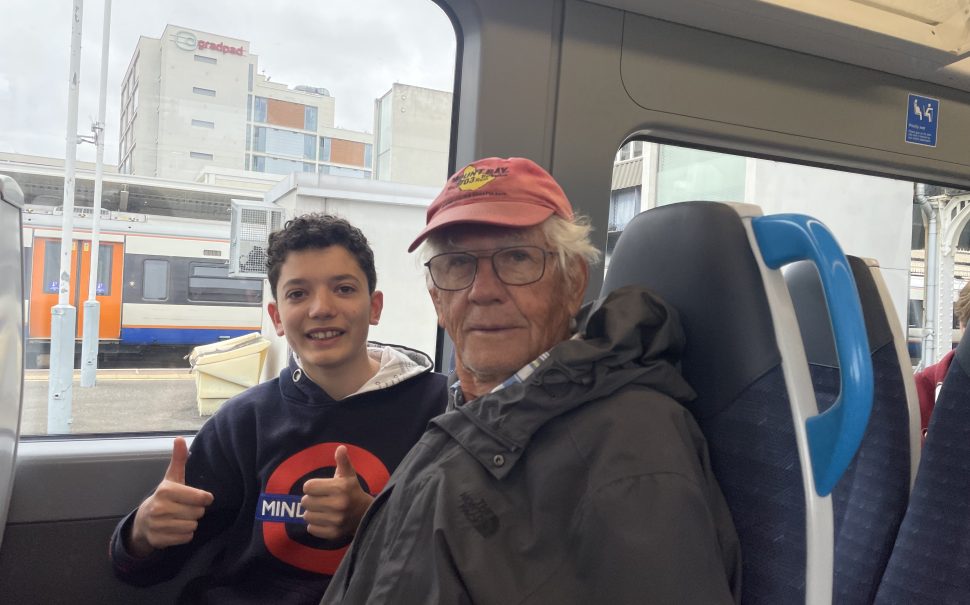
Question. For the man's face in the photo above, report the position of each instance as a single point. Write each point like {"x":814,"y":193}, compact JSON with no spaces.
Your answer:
{"x":324,"y":309}
{"x":498,"y":328}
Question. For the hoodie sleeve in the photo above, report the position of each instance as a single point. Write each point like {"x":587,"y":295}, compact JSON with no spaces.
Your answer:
{"x":207,"y":468}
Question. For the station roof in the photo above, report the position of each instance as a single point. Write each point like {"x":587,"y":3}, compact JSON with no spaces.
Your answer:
{"x":43,"y":185}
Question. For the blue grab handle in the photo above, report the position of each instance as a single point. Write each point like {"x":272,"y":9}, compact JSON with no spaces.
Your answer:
{"x":833,"y":436}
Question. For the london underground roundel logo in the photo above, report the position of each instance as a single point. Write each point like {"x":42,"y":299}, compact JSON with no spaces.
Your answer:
{"x":279,"y":506}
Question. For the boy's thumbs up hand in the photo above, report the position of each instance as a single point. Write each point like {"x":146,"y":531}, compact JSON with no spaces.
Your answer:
{"x":334,"y":507}
{"x":169,"y":516}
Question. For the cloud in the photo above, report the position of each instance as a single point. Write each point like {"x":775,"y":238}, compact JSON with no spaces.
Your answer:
{"x":354,"y":48}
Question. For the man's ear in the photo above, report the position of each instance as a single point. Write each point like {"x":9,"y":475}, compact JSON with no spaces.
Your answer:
{"x":580,"y":275}
{"x":435,"y":294}
{"x":376,"y":306}
{"x":274,"y":314}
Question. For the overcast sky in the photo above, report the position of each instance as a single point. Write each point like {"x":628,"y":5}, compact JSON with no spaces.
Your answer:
{"x":356,"y":49}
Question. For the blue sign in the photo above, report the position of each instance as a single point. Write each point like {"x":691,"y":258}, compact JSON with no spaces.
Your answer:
{"x":922,"y":119}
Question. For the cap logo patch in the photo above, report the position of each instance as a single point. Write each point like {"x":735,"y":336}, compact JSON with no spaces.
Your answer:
{"x":472,"y":178}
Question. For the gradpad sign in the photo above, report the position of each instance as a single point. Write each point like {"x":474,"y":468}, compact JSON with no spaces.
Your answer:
{"x":922,"y":120}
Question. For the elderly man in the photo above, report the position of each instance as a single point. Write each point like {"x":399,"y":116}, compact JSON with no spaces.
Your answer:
{"x":565,"y":470}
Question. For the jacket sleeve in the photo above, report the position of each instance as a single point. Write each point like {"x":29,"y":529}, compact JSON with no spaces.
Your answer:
{"x":926,"y":390}
{"x":658,"y":538}
{"x":207,"y":468}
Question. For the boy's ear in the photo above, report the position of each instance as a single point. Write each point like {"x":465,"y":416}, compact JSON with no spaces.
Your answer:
{"x":274,"y":314}
{"x":376,"y":306}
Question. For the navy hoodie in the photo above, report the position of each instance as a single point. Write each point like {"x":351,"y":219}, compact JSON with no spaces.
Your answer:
{"x":255,"y":454}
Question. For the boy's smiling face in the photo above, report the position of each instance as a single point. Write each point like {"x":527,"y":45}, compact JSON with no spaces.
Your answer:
{"x":324,"y":310}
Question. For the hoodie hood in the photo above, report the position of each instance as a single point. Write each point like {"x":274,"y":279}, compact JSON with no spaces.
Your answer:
{"x":630,"y":338}
{"x":397,"y":364}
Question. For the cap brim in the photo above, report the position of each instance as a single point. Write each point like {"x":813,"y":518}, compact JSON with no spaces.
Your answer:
{"x":503,"y":214}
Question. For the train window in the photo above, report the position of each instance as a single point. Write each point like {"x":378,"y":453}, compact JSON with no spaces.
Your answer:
{"x":52,"y":264}
{"x":103,"y":283}
{"x":693,"y":174}
{"x":205,"y":107}
{"x":155,"y":284}
{"x":870,"y":216}
{"x":211,"y":283}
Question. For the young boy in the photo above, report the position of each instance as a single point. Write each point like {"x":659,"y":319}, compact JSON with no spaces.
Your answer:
{"x":283,"y":472}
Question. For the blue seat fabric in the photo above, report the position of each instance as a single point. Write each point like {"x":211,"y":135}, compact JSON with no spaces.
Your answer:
{"x":931,"y":559}
{"x":870,"y":500}
{"x":697,"y":257}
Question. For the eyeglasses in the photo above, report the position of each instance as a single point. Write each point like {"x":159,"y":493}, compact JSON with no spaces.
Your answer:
{"x":514,"y":266}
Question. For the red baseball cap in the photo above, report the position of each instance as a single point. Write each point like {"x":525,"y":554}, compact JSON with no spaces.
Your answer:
{"x":508,"y":192}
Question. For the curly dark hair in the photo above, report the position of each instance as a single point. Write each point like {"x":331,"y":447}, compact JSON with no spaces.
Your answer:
{"x":313,"y":232}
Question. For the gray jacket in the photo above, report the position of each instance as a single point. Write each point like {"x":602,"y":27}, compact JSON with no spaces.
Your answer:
{"x":587,"y":483}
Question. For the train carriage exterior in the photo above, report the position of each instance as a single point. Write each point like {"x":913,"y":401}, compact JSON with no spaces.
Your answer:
{"x":162,"y":283}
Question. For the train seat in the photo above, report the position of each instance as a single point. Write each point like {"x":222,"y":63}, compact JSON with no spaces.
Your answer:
{"x":930,"y":562}
{"x":745,"y":359}
{"x":870,"y":499}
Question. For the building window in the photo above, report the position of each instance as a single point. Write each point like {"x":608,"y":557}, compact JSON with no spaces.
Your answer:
{"x":280,"y":165}
{"x":368,"y":154}
{"x":203,"y":123}
{"x":325,"y":149}
{"x":155,"y":280}
{"x":309,"y":146}
{"x":259,"y":110}
{"x":251,"y":67}
{"x":624,"y":204}
{"x":915,"y":313}
{"x":211,"y":283}
{"x":206,"y":92}
{"x":309,"y":118}
{"x":630,"y":151}
{"x":198,"y":155}
{"x":284,"y":142}
{"x":204,"y":59}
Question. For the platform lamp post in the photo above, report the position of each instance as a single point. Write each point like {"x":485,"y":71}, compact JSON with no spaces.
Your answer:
{"x":63,"y":314}
{"x":92,"y":308}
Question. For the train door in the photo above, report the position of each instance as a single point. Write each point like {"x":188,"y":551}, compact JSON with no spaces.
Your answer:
{"x":44,"y":283}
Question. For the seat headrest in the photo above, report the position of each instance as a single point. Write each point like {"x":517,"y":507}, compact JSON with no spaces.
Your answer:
{"x":813,"y":317}
{"x":697,"y":257}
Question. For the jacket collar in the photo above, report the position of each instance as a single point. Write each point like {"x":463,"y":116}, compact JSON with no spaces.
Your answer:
{"x":630,"y":338}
